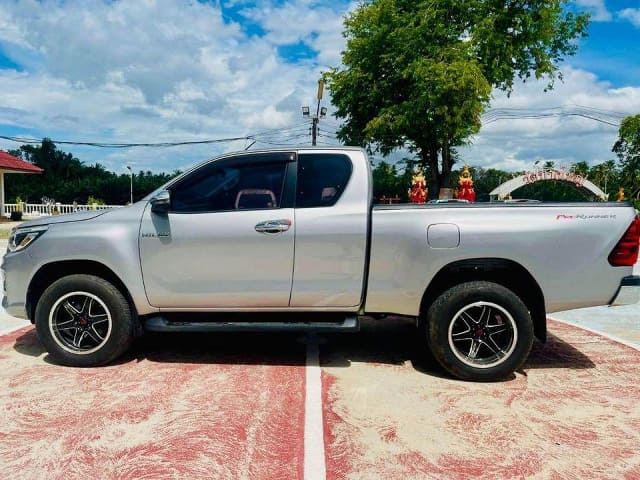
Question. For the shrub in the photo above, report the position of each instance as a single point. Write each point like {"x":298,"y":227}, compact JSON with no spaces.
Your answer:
{"x":94,"y":201}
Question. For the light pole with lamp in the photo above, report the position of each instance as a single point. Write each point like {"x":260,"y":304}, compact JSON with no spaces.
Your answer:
{"x":320,"y":113}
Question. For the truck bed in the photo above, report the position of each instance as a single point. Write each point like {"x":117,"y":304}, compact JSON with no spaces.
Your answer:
{"x":564,"y":246}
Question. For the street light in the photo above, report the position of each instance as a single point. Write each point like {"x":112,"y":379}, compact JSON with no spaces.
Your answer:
{"x":131,"y":174}
{"x":315,"y":118}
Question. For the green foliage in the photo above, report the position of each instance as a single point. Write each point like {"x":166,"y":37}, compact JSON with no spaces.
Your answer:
{"x":419,"y":74}
{"x":551,"y":191}
{"x":388,"y":182}
{"x":95,"y":201}
{"x":580,"y":168}
{"x":627,"y":148}
{"x":67,"y":179}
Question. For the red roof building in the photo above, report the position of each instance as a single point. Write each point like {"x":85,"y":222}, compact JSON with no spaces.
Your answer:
{"x":11,"y":164}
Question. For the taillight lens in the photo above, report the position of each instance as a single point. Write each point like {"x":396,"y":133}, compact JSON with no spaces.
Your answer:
{"x":625,"y":253}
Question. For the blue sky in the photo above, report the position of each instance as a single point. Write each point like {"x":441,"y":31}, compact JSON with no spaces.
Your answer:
{"x":173,"y":70}
{"x":612,"y":49}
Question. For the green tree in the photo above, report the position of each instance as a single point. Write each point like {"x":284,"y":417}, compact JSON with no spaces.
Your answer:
{"x":605,"y":175}
{"x":418,"y":74}
{"x":394,"y":179}
{"x":627,"y":148}
{"x":549,"y":165}
{"x":385,"y":180}
{"x":580,"y":168}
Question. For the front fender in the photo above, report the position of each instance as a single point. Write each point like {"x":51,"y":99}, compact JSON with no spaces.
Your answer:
{"x":110,"y":240}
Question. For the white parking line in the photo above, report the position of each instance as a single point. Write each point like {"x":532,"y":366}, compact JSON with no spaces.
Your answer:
{"x":314,"y":461}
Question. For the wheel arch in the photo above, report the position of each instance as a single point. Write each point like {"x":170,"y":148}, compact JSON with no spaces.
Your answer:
{"x":50,"y":272}
{"x":502,"y":271}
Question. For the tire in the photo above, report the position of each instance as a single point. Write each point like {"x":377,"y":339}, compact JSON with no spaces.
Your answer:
{"x":479,"y":331}
{"x":84,"y":321}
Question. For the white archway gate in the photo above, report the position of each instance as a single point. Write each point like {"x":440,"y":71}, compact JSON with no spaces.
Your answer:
{"x":561,"y":175}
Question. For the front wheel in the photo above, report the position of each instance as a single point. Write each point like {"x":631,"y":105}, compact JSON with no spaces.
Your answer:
{"x":84,"y":321}
{"x":479,"y":331}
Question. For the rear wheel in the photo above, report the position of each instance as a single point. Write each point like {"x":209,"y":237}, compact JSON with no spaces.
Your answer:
{"x":84,"y":320}
{"x":479,"y":331}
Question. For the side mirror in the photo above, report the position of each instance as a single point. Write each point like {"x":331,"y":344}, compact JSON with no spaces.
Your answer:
{"x":161,"y":202}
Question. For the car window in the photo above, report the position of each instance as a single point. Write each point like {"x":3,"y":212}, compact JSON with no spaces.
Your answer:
{"x":224,"y":186}
{"x":322,"y":177}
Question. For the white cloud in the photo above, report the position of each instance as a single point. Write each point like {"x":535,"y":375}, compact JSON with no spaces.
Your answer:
{"x":632,"y":15}
{"x":174,"y":70}
{"x":145,"y":72}
{"x":316,"y":24}
{"x":597,"y":8}
{"x":516,"y":144}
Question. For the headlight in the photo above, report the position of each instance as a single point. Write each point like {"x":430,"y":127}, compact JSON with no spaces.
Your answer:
{"x":21,"y":238}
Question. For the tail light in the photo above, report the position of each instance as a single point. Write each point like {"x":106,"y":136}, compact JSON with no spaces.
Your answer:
{"x":625,"y":253}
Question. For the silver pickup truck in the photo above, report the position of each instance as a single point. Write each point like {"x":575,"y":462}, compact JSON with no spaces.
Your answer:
{"x":290,"y":240}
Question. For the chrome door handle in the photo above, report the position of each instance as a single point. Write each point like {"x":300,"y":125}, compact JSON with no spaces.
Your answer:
{"x":273,"y":226}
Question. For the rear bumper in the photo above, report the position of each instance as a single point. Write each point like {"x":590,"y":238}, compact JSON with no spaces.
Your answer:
{"x":628,"y":293}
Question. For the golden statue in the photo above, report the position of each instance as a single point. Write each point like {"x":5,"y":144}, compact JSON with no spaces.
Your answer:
{"x":465,"y":185}
{"x":418,"y":191}
{"x":621,"y":194}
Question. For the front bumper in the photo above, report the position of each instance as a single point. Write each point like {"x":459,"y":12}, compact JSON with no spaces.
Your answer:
{"x":16,"y":273}
{"x":628,"y":293}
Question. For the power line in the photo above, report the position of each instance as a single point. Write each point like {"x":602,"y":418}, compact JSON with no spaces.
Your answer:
{"x":608,"y":117}
{"x":282,"y":135}
{"x":268,"y":134}
{"x":28,"y":140}
{"x":550,"y":115}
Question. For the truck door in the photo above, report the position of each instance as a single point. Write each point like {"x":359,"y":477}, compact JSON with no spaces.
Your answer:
{"x":331,"y":217}
{"x":228,"y":238}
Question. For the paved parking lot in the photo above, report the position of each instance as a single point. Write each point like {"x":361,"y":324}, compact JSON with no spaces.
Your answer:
{"x":366,"y":405}
{"x":235,"y":406}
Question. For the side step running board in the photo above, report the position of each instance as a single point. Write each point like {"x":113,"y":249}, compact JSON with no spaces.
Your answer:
{"x":161,"y":324}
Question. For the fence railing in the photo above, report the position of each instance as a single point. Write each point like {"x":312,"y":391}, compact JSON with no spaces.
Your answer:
{"x":41,"y":209}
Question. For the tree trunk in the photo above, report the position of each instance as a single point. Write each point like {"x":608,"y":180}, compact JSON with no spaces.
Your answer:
{"x":447,"y":165}
{"x":429,"y":158}
{"x":431,"y":154}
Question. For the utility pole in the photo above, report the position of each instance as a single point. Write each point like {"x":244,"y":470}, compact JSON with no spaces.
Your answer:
{"x":320,"y":113}
{"x":131,"y":175}
{"x":314,"y":131}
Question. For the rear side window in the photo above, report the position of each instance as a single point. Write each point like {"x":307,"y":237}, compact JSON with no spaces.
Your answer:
{"x":322,"y":178}
{"x":218,"y":188}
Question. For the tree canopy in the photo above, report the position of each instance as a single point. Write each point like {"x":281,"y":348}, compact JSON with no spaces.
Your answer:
{"x":627,"y":148}
{"x":419,"y":74}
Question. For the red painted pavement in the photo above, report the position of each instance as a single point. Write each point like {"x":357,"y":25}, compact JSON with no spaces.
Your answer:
{"x":231,"y":409}
{"x":573,"y":413}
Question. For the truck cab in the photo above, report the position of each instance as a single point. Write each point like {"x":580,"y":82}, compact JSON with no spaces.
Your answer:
{"x":260,"y":231}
